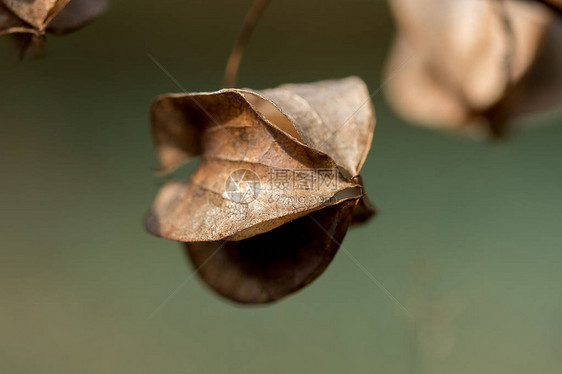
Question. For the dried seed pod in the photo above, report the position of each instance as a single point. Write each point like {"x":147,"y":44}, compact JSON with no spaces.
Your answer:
{"x":277,"y":183}
{"x":30,"y":20}
{"x":269,"y":266}
{"x":470,"y":61}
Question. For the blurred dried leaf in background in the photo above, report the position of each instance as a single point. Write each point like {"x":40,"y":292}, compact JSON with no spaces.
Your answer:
{"x":269,"y":235}
{"x":30,"y":20}
{"x":477,"y":64}
{"x":556,"y":3}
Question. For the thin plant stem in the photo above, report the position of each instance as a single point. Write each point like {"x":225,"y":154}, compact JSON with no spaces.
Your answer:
{"x":237,"y":52}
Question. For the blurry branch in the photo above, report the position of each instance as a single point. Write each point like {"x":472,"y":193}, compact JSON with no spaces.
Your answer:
{"x":237,"y":52}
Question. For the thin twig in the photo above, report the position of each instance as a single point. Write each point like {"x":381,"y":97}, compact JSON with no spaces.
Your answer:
{"x":237,"y":52}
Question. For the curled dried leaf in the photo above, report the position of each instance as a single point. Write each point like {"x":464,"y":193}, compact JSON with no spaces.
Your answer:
{"x":34,"y":18}
{"x":34,"y":12}
{"x":269,"y":266}
{"x":344,"y":131}
{"x":76,"y":15}
{"x":553,"y":3}
{"x":10,"y":21}
{"x":267,"y":164}
{"x":541,"y":88}
{"x":464,"y":78}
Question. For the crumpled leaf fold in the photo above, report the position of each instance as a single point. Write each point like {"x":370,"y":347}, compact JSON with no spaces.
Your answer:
{"x":246,"y":136}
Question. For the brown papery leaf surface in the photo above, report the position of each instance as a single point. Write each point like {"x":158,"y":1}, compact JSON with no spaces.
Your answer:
{"x":30,"y":20}
{"x":277,"y":185}
{"x":473,"y":65}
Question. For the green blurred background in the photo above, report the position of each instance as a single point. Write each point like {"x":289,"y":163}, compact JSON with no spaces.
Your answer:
{"x":468,"y":237}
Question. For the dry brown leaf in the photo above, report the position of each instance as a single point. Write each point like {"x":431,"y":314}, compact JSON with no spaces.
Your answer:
{"x":34,"y":12}
{"x":462,"y":77}
{"x":29,"y":45}
{"x":76,"y":15}
{"x":344,"y":132}
{"x":9,"y":21}
{"x":249,"y":140}
{"x":541,"y":88}
{"x":267,"y":267}
{"x":419,"y":97}
{"x":30,"y":20}
{"x":556,"y":3}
